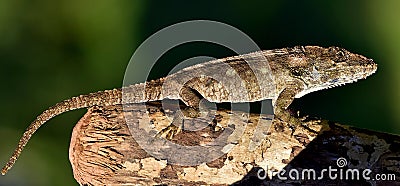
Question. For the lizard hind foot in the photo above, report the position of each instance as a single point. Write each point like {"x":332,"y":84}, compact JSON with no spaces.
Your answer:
{"x":189,"y":119}
{"x":169,"y":132}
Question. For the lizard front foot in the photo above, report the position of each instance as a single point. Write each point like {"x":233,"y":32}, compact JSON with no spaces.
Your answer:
{"x":292,"y":121}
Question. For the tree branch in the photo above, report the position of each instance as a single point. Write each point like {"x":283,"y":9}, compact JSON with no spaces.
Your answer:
{"x":103,"y":151}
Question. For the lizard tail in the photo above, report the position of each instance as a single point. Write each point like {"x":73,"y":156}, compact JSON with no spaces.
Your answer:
{"x":102,"y":98}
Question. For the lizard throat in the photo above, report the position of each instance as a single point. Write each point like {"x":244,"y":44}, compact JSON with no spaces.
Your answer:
{"x":337,"y":82}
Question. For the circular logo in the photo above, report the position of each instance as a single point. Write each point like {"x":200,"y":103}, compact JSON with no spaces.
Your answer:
{"x":191,"y":75}
{"x":341,"y":162}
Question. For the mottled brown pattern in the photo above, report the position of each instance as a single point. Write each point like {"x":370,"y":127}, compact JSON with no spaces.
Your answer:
{"x":327,"y":141}
{"x":295,"y":72}
{"x":217,"y":163}
{"x":246,"y":73}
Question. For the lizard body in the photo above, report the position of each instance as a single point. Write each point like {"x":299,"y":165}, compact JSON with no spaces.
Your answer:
{"x":294,"y":71}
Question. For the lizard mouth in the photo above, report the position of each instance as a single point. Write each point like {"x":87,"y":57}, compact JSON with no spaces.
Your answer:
{"x":349,"y":74}
{"x":354,"y":74}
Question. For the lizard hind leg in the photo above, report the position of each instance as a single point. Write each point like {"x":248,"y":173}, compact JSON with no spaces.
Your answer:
{"x":195,"y":103}
{"x":191,"y":100}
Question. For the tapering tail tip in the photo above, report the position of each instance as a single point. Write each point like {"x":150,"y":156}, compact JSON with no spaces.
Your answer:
{"x":3,"y":171}
{"x":9,"y":164}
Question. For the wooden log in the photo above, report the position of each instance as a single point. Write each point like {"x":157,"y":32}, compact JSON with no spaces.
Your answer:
{"x":104,"y":152}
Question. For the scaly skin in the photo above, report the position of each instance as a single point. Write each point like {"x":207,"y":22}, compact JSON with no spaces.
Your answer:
{"x":280,"y":75}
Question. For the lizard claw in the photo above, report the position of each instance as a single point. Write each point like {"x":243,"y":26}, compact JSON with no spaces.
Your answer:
{"x":171,"y":130}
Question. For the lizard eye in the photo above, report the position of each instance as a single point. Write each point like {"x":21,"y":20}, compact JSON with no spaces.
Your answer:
{"x":337,"y":54}
{"x":340,"y":56}
{"x":296,"y":71}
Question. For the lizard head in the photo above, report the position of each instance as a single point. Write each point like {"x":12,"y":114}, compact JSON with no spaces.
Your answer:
{"x":324,"y":68}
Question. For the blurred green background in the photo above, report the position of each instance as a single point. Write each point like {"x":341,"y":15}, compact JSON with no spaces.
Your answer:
{"x":52,"y":50}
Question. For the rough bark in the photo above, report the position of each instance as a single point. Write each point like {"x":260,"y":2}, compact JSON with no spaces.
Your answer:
{"x":103,"y":151}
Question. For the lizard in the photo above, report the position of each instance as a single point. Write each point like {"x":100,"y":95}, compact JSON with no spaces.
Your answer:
{"x":295,"y":71}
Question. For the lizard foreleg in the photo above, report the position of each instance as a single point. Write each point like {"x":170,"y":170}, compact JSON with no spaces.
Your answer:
{"x":283,"y":101}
